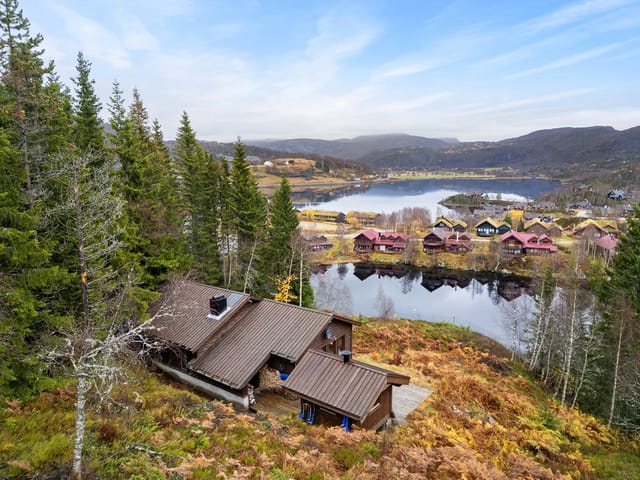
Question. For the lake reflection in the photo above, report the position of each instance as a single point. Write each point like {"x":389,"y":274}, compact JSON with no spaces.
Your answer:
{"x":485,"y":302}
{"x":394,"y":196}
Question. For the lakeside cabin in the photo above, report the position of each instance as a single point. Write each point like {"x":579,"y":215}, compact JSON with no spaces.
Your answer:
{"x":519,"y":243}
{"x":327,"y":216}
{"x":371,"y":241}
{"x":448,"y":223}
{"x":489,"y":227}
{"x":365,"y":219}
{"x":442,"y":240}
{"x":538,"y":227}
{"x":316,"y":242}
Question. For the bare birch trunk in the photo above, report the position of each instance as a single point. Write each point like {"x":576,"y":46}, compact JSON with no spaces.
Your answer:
{"x":616,"y":372}
{"x":569,"y":355}
{"x":81,"y":389}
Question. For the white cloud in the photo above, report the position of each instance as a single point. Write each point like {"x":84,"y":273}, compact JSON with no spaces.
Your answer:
{"x":136,"y":36}
{"x":572,"y":14}
{"x":410,"y":103}
{"x":567,"y":61}
{"x":398,"y":69}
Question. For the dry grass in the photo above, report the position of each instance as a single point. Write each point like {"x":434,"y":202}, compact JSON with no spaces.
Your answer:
{"x":485,"y":420}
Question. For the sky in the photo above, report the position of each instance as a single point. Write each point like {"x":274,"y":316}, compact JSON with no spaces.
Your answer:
{"x":257,"y":69}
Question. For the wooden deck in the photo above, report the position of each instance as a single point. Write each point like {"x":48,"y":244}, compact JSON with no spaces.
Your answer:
{"x":406,"y":399}
{"x":275,"y":405}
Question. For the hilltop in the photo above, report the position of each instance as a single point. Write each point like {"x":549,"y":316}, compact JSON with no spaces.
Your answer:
{"x":559,"y":152}
{"x":486,"y":419}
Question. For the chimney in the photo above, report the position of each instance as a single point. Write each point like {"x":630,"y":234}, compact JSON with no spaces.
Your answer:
{"x":217,"y":304}
{"x":346,"y":355}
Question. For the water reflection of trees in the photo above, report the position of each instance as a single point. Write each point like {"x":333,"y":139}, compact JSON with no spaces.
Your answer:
{"x":332,"y":293}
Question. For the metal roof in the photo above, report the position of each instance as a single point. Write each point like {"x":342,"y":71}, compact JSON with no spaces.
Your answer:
{"x":182,"y":313}
{"x":350,"y":388}
{"x":261,"y":329}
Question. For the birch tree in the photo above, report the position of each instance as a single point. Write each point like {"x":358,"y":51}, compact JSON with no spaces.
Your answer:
{"x":538,"y":338}
{"x":89,"y":348}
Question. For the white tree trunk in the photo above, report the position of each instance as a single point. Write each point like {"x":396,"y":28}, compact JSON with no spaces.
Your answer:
{"x":569,"y":354}
{"x":616,"y":373}
{"x":81,"y":400}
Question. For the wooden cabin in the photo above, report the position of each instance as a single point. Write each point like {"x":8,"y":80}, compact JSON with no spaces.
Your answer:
{"x":218,"y":340}
{"x":591,"y":230}
{"x":489,"y":227}
{"x":606,"y":247}
{"x":435,"y":240}
{"x":365,"y":219}
{"x":336,"y":390}
{"x":391,"y":242}
{"x":315,"y":242}
{"x":518,"y":243}
{"x":447,"y":223}
{"x":364,"y":242}
{"x":538,"y":227}
{"x":441,"y":240}
{"x":371,"y":241}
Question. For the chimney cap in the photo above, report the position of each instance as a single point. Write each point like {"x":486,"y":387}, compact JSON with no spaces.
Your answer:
{"x":346,"y":355}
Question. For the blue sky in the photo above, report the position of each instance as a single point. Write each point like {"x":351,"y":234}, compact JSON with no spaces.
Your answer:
{"x":470,"y":69}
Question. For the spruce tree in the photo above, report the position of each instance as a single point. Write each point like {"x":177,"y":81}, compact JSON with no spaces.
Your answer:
{"x":248,"y":205}
{"x":88,"y":131}
{"x":620,"y":332}
{"x":248,"y":218}
{"x":199,"y":176}
{"x":23,"y":97}
{"x":278,"y":251}
{"x":27,"y":284}
{"x":148,"y":185}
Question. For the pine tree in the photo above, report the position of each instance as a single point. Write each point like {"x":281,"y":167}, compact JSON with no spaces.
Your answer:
{"x":87,"y":132}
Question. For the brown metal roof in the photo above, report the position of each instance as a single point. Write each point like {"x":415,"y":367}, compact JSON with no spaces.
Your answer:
{"x":182,"y":313}
{"x":260,"y":329}
{"x":349,"y":388}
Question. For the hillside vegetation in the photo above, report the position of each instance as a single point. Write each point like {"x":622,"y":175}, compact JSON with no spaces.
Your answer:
{"x":485,"y":420}
{"x":578,"y":153}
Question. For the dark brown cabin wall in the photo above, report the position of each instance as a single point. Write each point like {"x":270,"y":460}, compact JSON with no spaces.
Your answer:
{"x":537,"y":229}
{"x":327,"y":418}
{"x":339,"y":329}
{"x":382,"y":413}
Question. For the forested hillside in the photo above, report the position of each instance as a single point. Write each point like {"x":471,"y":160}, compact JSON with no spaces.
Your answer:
{"x":93,"y":222}
{"x":580,"y":152}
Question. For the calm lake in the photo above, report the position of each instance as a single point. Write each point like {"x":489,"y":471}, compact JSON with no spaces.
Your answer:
{"x":485,"y":302}
{"x":394,"y":196}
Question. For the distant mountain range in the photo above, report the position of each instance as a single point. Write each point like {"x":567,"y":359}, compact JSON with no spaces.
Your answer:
{"x":556,"y":150}
{"x":353,"y":148}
